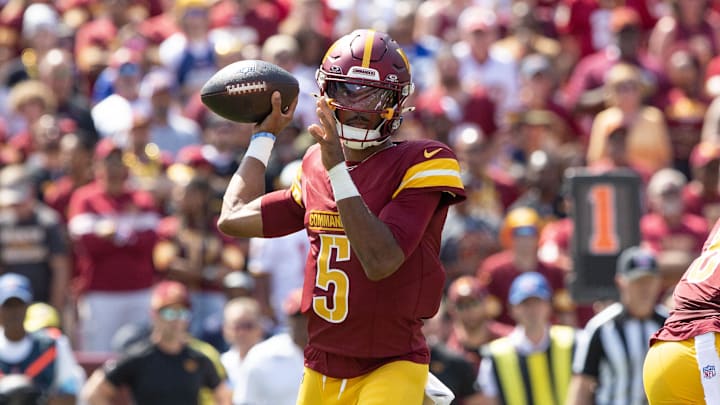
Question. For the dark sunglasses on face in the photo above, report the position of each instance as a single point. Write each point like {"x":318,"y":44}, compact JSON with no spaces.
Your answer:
{"x":249,"y":325}
{"x":172,"y":314}
{"x":467,"y":304}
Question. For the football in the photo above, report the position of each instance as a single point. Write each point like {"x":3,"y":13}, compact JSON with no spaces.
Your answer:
{"x":241,"y":91}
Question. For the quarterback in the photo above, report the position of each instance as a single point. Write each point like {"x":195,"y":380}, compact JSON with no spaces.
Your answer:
{"x":373,"y":210}
{"x":682,"y":365}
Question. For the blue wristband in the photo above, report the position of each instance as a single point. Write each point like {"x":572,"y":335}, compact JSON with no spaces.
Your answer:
{"x":263,"y":135}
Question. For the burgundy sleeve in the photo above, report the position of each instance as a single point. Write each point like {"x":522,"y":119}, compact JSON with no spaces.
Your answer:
{"x":408,"y":216}
{"x":281,"y":214}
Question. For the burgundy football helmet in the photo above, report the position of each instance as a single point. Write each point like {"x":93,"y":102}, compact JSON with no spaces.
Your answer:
{"x":366,"y":71}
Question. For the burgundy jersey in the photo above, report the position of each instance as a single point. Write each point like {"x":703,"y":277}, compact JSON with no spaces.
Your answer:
{"x":696,"y":299}
{"x":355,"y":324}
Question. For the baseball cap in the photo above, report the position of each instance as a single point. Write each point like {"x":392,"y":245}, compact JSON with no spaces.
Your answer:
{"x":105,"y":148}
{"x":534,"y":64}
{"x":466,"y":287}
{"x":622,"y":18}
{"x":529,"y":285}
{"x":14,"y":285}
{"x":168,"y":293}
{"x":15,"y":185}
{"x":666,"y":180}
{"x":704,"y":153}
{"x":477,"y":19}
{"x":635,"y":262}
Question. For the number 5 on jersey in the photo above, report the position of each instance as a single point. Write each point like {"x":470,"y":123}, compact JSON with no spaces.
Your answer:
{"x":332,"y":308}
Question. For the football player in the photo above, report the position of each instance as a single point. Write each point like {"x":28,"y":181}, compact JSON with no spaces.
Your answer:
{"x":373,"y":210}
{"x":682,"y":365}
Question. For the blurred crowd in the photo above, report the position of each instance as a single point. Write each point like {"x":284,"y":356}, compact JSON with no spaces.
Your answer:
{"x":113,"y":170}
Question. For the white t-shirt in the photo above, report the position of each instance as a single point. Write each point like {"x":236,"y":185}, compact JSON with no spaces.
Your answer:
{"x":69,"y":376}
{"x":270,"y":373}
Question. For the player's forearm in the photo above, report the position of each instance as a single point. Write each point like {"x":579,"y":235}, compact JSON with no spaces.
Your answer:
{"x":246,"y":185}
{"x":371,"y":240}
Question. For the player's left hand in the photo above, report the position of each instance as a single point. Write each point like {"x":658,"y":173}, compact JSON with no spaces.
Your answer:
{"x":326,"y":135}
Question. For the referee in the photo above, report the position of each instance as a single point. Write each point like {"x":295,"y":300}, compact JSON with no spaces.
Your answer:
{"x":608,"y":363}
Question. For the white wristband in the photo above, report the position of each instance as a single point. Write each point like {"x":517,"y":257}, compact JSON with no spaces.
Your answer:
{"x":261,"y":145}
{"x":341,"y":182}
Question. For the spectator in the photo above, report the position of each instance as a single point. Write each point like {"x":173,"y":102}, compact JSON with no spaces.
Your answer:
{"x":584,"y":91}
{"x":472,"y":311}
{"x":189,"y":54}
{"x":701,"y":196}
{"x":450,"y":367}
{"x":539,"y":83}
{"x":193,"y":252}
{"x":76,"y":153}
{"x":519,"y":236}
{"x":272,"y":370}
{"x":112,"y":115}
{"x":479,"y":66}
{"x":490,"y":190}
{"x":32,"y":238}
{"x":543,"y":178}
{"x":57,"y":70}
{"x":43,"y":356}
{"x":461,"y":104}
{"x":690,"y":26}
{"x":648,"y":144}
{"x":169,"y":130}
{"x":30,"y":100}
{"x":165,"y":370}
{"x":242,"y":329}
{"x":609,"y":356}
{"x":114,"y":229}
{"x":684,"y":106}
{"x":534,"y":355}
{"x":668,"y":230}
{"x":146,"y":163}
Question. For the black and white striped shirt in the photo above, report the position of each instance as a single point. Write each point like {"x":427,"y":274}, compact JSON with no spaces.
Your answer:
{"x":612,"y":349}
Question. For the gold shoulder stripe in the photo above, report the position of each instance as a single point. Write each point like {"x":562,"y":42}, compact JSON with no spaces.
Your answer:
{"x":432,"y":173}
{"x":296,"y":188}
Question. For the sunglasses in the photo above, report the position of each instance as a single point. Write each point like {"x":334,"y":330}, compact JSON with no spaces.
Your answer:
{"x":249,"y":325}
{"x":466,"y":304}
{"x":172,"y":314}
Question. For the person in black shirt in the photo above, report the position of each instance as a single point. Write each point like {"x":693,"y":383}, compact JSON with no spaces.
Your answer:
{"x":163,"y":370}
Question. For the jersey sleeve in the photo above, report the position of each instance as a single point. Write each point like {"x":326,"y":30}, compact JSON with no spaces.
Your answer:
{"x":408,"y":216}
{"x":282,"y":212}
{"x":588,"y":353}
{"x":210,"y":377}
{"x":120,"y":372}
{"x":435,"y":169}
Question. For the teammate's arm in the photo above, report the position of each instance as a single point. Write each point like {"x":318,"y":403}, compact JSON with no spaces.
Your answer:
{"x":98,"y":390}
{"x":371,"y":240}
{"x":240,"y":215}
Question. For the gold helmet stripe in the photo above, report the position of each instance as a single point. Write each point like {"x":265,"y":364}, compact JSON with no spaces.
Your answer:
{"x":368,"y":48}
{"x":404,"y":58}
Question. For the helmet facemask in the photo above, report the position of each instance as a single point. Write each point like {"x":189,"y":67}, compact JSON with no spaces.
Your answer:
{"x":362,"y":99}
